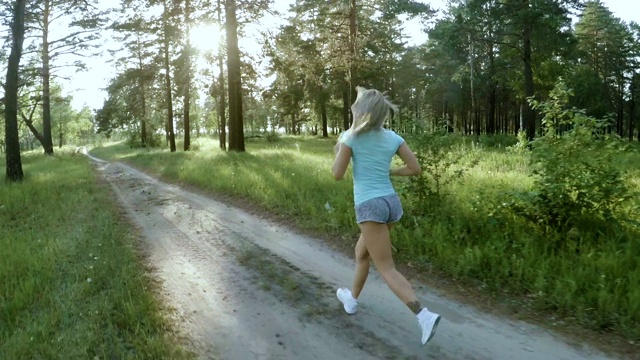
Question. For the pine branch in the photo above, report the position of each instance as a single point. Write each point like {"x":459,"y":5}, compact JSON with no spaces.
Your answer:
{"x":77,"y":33}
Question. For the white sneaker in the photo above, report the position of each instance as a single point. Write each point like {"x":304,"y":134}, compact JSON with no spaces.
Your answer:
{"x":428,"y":323}
{"x":350,"y":304}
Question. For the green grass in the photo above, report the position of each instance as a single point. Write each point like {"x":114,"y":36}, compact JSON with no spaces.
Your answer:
{"x":289,"y":176}
{"x":71,"y":283}
{"x":467,"y":234}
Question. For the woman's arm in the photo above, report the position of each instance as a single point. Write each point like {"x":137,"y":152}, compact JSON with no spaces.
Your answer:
{"x":341,"y":162}
{"x":412,"y":167}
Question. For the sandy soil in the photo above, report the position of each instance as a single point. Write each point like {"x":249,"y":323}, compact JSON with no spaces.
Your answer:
{"x":244,"y":288}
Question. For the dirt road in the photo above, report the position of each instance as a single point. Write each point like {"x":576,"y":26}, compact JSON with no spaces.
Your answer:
{"x":245,"y":288}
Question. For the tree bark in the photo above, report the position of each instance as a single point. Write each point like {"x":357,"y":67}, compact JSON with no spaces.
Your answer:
{"x":12,"y":141}
{"x":35,"y":131}
{"x":222,"y":106}
{"x":294,"y":123}
{"x":187,"y":94}
{"x":60,"y":135}
{"x":187,"y":118}
{"x":29,"y":122}
{"x":353,"y":35}
{"x":620,"y":108}
{"x":491,"y":120}
{"x":167,"y":68}
{"x":236,"y":122}
{"x":143,"y":115}
{"x":345,"y":109}
{"x":141,"y":84}
{"x":474,"y":110}
{"x":528,"y":112}
{"x":392,"y":124}
{"x":632,"y":106}
{"x":143,"y":121}
{"x":323,"y":114}
{"x":46,"y":78}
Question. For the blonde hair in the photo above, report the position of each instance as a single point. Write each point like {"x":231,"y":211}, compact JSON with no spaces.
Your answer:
{"x":370,"y":110}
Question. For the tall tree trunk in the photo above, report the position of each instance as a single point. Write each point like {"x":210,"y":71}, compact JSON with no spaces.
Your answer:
{"x":142,"y":85}
{"x":46,"y":78}
{"x":187,"y":94}
{"x":222,"y":106}
{"x":505,"y":120}
{"x":143,"y":95}
{"x":491,"y":120}
{"x":236,"y":121}
{"x":143,"y":121}
{"x":345,"y":109}
{"x":519,"y":122}
{"x":610,"y":102}
{"x":294,"y":123}
{"x":501,"y":114}
{"x":187,"y":123}
{"x":60,"y":135}
{"x":621,"y":108}
{"x":392,"y":122}
{"x":418,"y":108}
{"x":632,"y":107}
{"x":464,"y":122}
{"x":491,"y":116}
{"x":498,"y":119}
{"x":187,"y":118}
{"x":35,"y":131}
{"x":12,"y":140}
{"x":528,"y":112}
{"x":323,"y":114}
{"x":167,"y":76}
{"x":474,"y":110}
{"x":29,"y":122}
{"x":353,"y":35}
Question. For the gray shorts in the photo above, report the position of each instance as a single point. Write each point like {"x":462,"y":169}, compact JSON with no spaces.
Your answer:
{"x":385,"y":209}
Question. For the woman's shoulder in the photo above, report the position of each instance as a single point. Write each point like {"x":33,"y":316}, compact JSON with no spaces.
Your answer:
{"x":390,"y":133}
{"x":344,"y":135}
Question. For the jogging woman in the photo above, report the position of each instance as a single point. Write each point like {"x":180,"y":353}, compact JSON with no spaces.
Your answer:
{"x":377,"y":205}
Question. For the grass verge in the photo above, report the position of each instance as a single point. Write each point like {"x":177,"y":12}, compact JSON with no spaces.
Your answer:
{"x":71,"y":283}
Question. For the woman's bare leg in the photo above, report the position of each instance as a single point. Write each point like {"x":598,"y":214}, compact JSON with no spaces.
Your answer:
{"x":378,"y":243}
{"x":363,"y":261}
{"x":362,"y":268}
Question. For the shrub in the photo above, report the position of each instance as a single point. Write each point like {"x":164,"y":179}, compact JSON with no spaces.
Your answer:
{"x":577,"y":185}
{"x":272,"y":136}
{"x":498,"y":141}
{"x":441,"y":166}
{"x":522,"y":145}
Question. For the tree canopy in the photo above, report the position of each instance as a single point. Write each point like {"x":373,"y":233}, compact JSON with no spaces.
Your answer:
{"x":477,"y":72}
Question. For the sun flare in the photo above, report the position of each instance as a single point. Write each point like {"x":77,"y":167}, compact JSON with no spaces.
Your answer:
{"x":205,"y":37}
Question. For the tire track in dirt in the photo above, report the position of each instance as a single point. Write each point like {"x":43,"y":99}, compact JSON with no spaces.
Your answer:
{"x":245,"y":288}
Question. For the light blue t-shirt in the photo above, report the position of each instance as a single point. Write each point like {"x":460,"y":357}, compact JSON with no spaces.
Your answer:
{"x":372,"y":152}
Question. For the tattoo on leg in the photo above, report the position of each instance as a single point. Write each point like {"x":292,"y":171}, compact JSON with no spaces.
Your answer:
{"x":415,"y":307}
